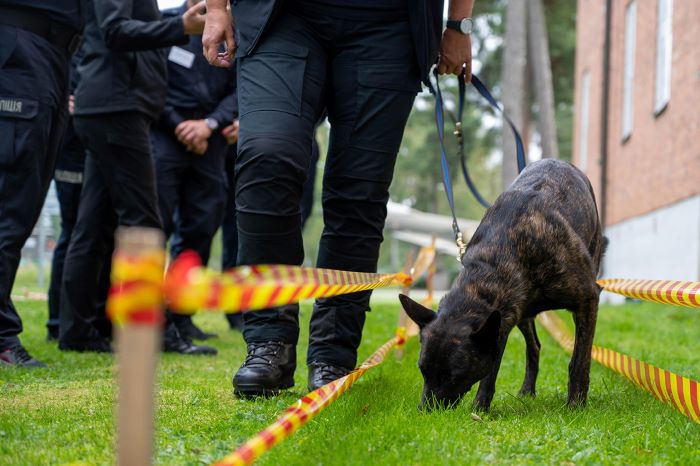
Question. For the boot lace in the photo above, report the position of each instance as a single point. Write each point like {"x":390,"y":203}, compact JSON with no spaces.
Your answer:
{"x":21,"y":355}
{"x":328,"y":372}
{"x":262,"y":353}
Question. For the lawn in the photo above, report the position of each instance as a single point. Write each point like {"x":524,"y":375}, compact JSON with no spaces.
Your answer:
{"x":64,"y":414}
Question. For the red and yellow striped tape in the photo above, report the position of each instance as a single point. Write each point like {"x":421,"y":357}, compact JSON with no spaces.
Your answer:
{"x":136,"y":295}
{"x":190,"y":287}
{"x":675,"y":292}
{"x":680,"y":392}
{"x":302,"y":411}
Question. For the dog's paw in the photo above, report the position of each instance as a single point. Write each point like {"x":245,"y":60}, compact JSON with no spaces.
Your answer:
{"x":482,"y":403}
{"x":577,"y":401}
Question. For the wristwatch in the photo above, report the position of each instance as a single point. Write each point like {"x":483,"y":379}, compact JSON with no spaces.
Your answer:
{"x":464,"y":25}
{"x":212,"y":124}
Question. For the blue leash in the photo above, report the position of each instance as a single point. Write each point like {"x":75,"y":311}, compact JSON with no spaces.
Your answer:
{"x":440,"y":123}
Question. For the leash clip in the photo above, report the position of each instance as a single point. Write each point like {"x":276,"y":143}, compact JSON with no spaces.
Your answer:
{"x":462,"y":246}
{"x":458,"y":131}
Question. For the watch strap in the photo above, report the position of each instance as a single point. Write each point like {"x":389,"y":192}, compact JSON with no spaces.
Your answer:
{"x":454,"y":24}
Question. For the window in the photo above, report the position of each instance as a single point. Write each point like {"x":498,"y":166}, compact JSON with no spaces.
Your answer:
{"x":664,"y":35}
{"x":630,"y":39}
{"x":583,"y":121}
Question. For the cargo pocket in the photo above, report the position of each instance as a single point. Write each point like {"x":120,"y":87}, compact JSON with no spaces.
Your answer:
{"x":272,"y":79}
{"x":19,"y":132}
{"x":8,"y":39}
{"x":385,"y":95}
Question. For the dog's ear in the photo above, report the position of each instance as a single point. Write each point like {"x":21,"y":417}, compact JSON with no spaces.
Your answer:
{"x":418,"y":313}
{"x":487,"y":333}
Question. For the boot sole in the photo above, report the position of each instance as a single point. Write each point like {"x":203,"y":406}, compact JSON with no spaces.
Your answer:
{"x":249,"y":390}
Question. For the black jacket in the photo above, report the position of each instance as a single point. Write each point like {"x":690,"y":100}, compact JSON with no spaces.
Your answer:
{"x":252,"y":17}
{"x":66,"y":12}
{"x":123,"y":67}
{"x":202,"y":89}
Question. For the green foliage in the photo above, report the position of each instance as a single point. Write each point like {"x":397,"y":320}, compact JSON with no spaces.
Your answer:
{"x":64,"y":414}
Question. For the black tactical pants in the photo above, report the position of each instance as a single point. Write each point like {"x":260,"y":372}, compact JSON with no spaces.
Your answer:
{"x":33,"y":115}
{"x":68,"y":180}
{"x":365,"y":73}
{"x":119,"y":189}
{"x":191,"y":193}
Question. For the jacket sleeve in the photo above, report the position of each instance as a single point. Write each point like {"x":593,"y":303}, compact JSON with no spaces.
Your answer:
{"x":170,"y":118}
{"x":227,"y":110}
{"x":121,"y":33}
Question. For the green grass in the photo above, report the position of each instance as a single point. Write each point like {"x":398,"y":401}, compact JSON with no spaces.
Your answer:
{"x":65,"y":414}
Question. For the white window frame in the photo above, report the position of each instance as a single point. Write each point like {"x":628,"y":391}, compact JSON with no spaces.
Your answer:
{"x":664,"y":52}
{"x":628,"y":70}
{"x":584,"y":120}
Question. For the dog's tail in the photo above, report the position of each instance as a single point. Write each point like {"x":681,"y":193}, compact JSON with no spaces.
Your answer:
{"x":600,"y":253}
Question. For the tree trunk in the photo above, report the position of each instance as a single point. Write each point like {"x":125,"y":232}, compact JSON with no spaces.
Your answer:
{"x":538,"y":51}
{"x":513,"y":78}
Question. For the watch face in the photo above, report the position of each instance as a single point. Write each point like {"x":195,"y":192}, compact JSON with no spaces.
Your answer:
{"x":466,"y":26}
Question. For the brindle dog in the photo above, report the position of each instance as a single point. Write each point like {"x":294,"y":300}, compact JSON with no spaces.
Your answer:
{"x":538,"y":247}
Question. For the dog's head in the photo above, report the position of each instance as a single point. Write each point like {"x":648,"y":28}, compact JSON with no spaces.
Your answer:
{"x":458,"y":348}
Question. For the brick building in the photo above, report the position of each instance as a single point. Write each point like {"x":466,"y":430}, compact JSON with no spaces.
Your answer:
{"x":647,"y":172}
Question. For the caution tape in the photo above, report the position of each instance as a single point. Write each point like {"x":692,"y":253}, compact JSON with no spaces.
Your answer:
{"x":680,"y":392}
{"x":679,"y":293}
{"x":302,"y":411}
{"x":400,"y":337}
{"x":190,"y":287}
{"x":136,"y":295}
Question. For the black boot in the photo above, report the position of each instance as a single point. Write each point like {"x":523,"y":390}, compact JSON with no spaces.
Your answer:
{"x":17,"y":356}
{"x":93,"y":345}
{"x":174,"y":342}
{"x":188,"y":329}
{"x":321,"y":374}
{"x":268,"y":368}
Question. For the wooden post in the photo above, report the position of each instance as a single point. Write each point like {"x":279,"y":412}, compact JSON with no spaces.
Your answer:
{"x":137,"y":344}
{"x":412,"y":328}
{"x":403,"y":317}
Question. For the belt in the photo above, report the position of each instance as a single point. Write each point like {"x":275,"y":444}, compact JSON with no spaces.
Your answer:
{"x":54,"y":32}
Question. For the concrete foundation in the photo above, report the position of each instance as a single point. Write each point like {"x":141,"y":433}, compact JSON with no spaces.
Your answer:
{"x":663,"y":244}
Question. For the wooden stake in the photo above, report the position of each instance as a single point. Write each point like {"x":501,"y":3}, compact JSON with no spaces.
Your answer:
{"x":403,"y":317}
{"x":137,"y":354}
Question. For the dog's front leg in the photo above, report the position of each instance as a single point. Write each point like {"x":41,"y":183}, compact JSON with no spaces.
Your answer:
{"x":532,"y":356}
{"x":487,"y":386}
{"x":580,"y":365}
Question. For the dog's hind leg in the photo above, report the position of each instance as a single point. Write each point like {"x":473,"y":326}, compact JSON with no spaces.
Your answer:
{"x":532,"y":356}
{"x":579,"y":367}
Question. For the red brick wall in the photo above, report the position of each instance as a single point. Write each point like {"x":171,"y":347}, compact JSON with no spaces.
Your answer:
{"x":660,"y":163}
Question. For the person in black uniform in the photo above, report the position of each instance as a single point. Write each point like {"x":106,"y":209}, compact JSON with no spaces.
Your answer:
{"x":364,"y":62}
{"x":189,"y":152}
{"x":121,"y":91}
{"x":68,"y":179}
{"x":37,"y":38}
{"x":229,"y":231}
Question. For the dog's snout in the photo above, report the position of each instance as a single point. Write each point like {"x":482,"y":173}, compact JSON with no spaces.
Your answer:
{"x":431,"y":400}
